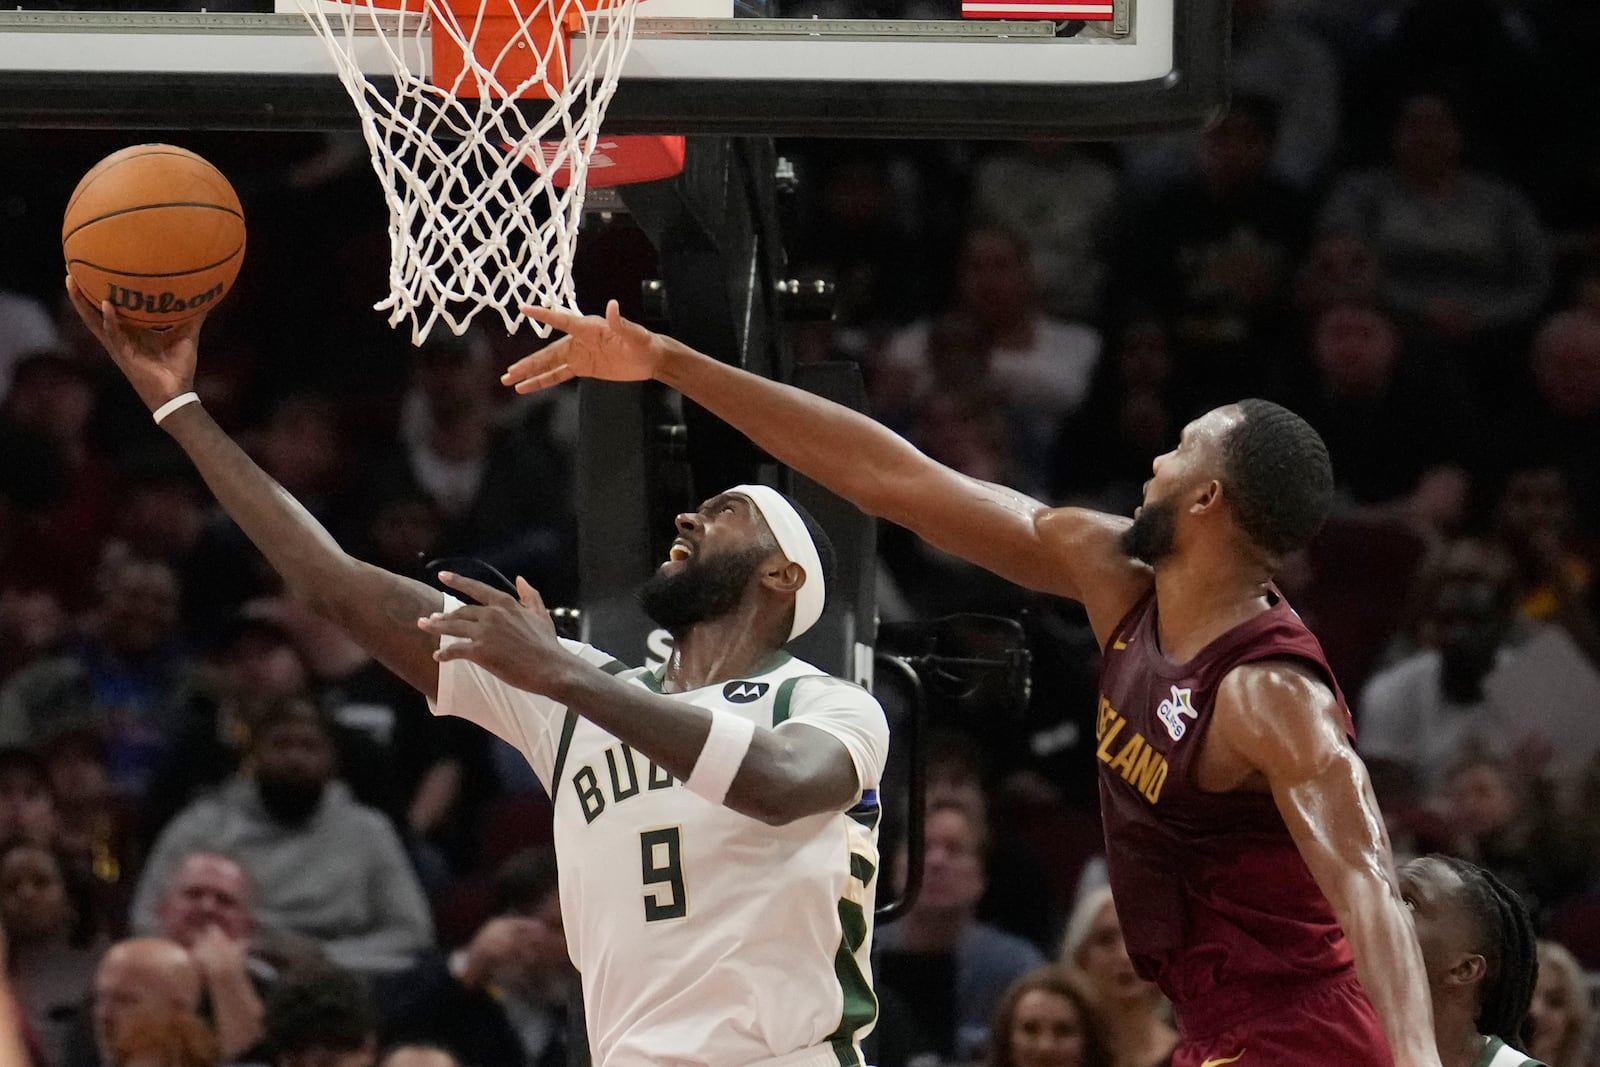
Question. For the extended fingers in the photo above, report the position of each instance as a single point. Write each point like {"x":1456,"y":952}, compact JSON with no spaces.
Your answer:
{"x":560,"y":318}
{"x":451,"y":625}
{"x":541,"y":362}
{"x":549,"y":378}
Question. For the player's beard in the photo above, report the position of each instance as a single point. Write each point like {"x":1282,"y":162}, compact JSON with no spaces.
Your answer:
{"x":700,"y":590}
{"x":1153,"y":534}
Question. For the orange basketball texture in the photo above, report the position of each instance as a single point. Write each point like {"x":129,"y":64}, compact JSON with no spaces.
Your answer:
{"x":156,"y":230}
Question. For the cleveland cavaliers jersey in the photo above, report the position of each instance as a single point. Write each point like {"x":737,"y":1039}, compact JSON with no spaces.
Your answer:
{"x":1216,"y":904}
{"x":705,"y":938}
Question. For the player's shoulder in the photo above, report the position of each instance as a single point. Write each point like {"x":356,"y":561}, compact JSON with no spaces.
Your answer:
{"x":599,"y":657}
{"x":798,"y":676}
{"x":1274,"y":695}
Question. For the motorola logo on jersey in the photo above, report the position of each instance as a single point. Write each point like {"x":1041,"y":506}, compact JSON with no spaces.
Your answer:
{"x":744,"y":692}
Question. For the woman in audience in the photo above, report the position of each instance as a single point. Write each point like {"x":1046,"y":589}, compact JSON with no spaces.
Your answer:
{"x":1046,"y":1020}
{"x":53,"y":950}
{"x":1560,"y":1018}
{"x":1132,"y":1012}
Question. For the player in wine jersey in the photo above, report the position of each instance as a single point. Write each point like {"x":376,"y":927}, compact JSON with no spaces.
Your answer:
{"x":1251,"y":870}
{"x":716,"y":820}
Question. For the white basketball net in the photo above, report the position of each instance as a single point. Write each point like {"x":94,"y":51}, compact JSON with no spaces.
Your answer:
{"x":471,"y":225}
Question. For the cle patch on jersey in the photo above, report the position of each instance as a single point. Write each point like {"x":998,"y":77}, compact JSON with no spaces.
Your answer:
{"x":1172,"y":713}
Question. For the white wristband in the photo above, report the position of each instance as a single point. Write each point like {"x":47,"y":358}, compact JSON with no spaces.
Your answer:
{"x":173,"y":405}
{"x":726,"y":744}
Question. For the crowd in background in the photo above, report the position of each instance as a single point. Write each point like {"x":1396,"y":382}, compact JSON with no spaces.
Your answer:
{"x":227,"y":836}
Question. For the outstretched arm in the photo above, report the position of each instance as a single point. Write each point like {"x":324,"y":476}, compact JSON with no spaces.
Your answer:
{"x":377,"y":608}
{"x":785,"y":775}
{"x":1277,"y":719}
{"x":1065,"y":551}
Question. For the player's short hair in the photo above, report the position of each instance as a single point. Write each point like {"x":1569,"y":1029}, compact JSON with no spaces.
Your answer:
{"x":319,"y":1006}
{"x":1506,"y":941}
{"x":1279,"y":480}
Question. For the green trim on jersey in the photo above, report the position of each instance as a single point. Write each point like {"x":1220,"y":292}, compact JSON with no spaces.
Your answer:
{"x":861,"y":868}
{"x":569,"y":724}
{"x":656,"y":682}
{"x":860,"y":1003}
{"x":780,"y":702}
{"x":1496,"y":1053}
{"x":615,"y":667}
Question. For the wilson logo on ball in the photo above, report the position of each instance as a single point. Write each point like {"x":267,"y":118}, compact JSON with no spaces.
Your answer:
{"x":159,"y":303}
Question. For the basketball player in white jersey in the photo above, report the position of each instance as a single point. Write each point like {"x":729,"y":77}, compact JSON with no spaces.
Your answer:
{"x":716,"y":820}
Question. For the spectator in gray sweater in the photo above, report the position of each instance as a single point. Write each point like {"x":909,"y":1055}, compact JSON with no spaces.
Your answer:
{"x":322,"y":865}
{"x":1460,"y":252}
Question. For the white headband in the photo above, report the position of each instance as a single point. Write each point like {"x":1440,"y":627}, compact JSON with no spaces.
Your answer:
{"x":789,"y":530}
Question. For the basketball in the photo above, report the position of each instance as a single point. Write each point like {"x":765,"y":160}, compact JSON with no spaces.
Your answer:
{"x":156,"y":230}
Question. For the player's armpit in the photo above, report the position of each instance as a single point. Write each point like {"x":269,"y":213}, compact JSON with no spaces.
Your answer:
{"x":1286,"y":724}
{"x":793,"y":772}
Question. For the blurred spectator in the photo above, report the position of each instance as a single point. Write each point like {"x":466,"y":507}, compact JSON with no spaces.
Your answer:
{"x":94,"y":826}
{"x":1339,"y":268}
{"x":25,"y":326}
{"x":1062,"y":198}
{"x":53,"y":947}
{"x":504,"y":999}
{"x":207,"y":908}
{"x":1563,"y":429}
{"x":210,"y":895}
{"x":322,"y":1016}
{"x":1483,"y":51}
{"x":142,"y":974}
{"x":1461,"y":254}
{"x":1132,"y":1011}
{"x":1533,"y":520}
{"x":1134,"y":412}
{"x":1561,"y":1018}
{"x":1272,"y":59}
{"x":948,"y":967}
{"x":1214,"y":253}
{"x":1014,"y":896}
{"x":427,"y":775}
{"x":27,"y":810}
{"x":502,"y":490}
{"x":53,"y":394}
{"x":1501,"y":820}
{"x":1401,"y":430}
{"x":122,"y":676}
{"x":166,"y":513}
{"x":32,"y":625}
{"x":302,"y":447}
{"x":165,"y":1038}
{"x":1039,"y":367}
{"x":1046,"y":1020}
{"x":322,"y":865}
{"x":1485,"y":683}
{"x":1478,"y":948}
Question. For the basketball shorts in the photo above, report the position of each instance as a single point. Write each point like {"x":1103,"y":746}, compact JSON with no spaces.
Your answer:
{"x":1329,"y":1025}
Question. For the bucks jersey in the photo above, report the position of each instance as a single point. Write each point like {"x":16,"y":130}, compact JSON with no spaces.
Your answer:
{"x":704,"y":937}
{"x":1497,"y":1053}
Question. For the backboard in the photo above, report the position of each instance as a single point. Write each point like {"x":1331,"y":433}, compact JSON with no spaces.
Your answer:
{"x":1122,"y":67}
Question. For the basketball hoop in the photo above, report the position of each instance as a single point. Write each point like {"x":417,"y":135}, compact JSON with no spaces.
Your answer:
{"x":487,"y":142}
